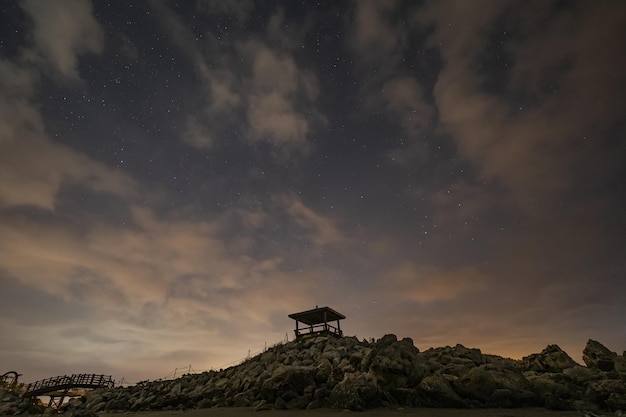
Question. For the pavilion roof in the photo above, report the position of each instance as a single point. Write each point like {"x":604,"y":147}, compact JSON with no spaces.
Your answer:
{"x":316,"y":315}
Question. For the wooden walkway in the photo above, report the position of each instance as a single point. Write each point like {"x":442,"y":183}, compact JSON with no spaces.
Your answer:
{"x":62,"y":384}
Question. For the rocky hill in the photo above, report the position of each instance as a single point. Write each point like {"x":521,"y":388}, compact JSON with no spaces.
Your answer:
{"x":352,"y":374}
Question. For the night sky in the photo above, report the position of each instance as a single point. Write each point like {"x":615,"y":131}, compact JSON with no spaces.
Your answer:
{"x":177,"y":177}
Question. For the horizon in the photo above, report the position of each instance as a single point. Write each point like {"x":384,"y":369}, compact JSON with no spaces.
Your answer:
{"x":178,"y":177}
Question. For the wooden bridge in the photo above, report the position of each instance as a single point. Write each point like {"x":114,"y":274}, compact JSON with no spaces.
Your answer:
{"x":59,"y":387}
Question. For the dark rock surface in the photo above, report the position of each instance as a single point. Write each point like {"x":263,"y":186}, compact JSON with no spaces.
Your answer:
{"x":551,"y":359}
{"x":596,"y":356}
{"x":349,"y":374}
{"x":11,"y":403}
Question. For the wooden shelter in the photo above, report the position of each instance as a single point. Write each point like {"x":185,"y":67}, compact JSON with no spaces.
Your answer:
{"x":317,"y":322}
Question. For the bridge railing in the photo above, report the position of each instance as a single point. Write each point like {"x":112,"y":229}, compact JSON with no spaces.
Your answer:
{"x":69,"y":381}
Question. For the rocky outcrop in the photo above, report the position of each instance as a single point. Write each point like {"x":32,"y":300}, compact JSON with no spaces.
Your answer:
{"x":551,"y":359}
{"x":349,"y":374}
{"x":596,"y":356}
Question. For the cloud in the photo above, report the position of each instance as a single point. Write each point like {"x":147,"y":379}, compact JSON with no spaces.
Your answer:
{"x":223,"y":98}
{"x":63,"y":30}
{"x":34,"y":168}
{"x":322,"y":231}
{"x":529,"y":139}
{"x":156,"y":285}
{"x":272,"y":117}
{"x":264,"y":82}
{"x":35,"y":178}
{"x":271,"y":72}
{"x":16,"y":108}
{"x":276,"y":85}
{"x":143,"y":280}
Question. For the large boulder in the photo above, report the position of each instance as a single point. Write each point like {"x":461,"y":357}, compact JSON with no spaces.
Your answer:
{"x":558,"y":390}
{"x":597,"y":356}
{"x":581,"y":375}
{"x":620,"y":363}
{"x":551,"y":359}
{"x":456,"y":360}
{"x":437,"y":392}
{"x":357,"y":391}
{"x":607,"y":393}
{"x":395,"y":363}
{"x":472,"y":354}
{"x":494,"y":386}
{"x":290,"y":386}
{"x":323,"y":372}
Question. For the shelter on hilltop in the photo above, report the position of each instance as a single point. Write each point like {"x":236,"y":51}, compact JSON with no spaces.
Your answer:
{"x":317,"y":322}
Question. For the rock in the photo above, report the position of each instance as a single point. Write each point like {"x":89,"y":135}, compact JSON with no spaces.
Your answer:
{"x":451,"y":360}
{"x":580,"y":374}
{"x":93,"y":398}
{"x":50,"y":412}
{"x":287,"y":379}
{"x":395,"y":363}
{"x":143,"y":403}
{"x":474,"y":355}
{"x":438,"y":392}
{"x":497,"y":387}
{"x":241,"y":399}
{"x":262,"y":406}
{"x":596,"y":356}
{"x":313,"y":405}
{"x":115,"y":404}
{"x":620,"y":363}
{"x":551,"y":359}
{"x":556,"y":389}
{"x":176,"y":390}
{"x":387,"y":340}
{"x":324,"y":370}
{"x":607,"y":393}
{"x":346,"y":373}
{"x":207,"y":403}
{"x":616,"y":401}
{"x":357,"y":391}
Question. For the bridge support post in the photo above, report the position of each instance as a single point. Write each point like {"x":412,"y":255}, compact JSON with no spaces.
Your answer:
{"x":57,"y":400}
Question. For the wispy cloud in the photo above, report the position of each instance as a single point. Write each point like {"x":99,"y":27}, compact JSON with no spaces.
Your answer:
{"x":34,"y":167}
{"x":253,"y":77}
{"x":538,"y":142}
{"x":64,"y":30}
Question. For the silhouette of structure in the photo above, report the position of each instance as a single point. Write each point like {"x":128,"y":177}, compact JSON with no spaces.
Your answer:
{"x":9,"y":380}
{"x":59,"y":387}
{"x":317,"y":322}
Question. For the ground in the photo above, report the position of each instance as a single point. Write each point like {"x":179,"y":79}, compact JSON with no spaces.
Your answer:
{"x":380,"y":412}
